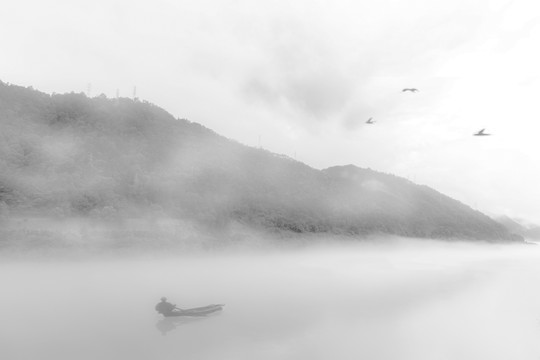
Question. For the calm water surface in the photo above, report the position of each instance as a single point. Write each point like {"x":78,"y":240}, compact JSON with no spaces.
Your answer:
{"x":400,"y":301}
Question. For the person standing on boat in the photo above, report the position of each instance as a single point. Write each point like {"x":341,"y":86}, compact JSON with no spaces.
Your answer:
{"x":165,"y":308}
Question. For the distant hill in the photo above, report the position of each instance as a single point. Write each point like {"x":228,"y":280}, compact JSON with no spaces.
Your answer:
{"x":532,"y":233}
{"x":73,"y":156}
{"x":518,"y":227}
{"x":511,"y":225}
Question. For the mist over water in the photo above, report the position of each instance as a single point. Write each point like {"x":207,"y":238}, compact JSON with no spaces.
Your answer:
{"x":396,"y":300}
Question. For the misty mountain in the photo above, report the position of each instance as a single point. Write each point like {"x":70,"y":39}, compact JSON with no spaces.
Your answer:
{"x":518,"y":227}
{"x":72,"y":156}
{"x":533,"y":233}
{"x":511,"y":225}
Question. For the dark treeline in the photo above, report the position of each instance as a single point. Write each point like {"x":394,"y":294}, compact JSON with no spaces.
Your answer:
{"x":68,"y":155}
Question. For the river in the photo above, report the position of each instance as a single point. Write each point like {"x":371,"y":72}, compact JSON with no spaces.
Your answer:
{"x":402,"y":300}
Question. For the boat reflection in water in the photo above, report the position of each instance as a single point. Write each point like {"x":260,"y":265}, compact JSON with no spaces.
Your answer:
{"x":167,"y":324}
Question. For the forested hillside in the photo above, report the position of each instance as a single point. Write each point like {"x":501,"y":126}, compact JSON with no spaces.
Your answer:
{"x":515,"y":226}
{"x":69,"y":155}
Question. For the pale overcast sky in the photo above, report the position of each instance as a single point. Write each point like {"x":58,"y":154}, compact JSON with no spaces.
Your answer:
{"x":307,"y":74}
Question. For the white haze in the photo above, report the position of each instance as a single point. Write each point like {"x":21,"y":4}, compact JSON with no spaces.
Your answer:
{"x":386,"y":300}
{"x":306,"y":75}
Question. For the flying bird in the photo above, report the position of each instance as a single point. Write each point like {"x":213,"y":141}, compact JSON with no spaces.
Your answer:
{"x":481,"y":133}
{"x":410,"y":89}
{"x":370,"y":121}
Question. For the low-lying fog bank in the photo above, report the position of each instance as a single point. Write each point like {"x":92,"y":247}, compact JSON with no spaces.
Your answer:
{"x":387,"y":300}
{"x":40,"y":237}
